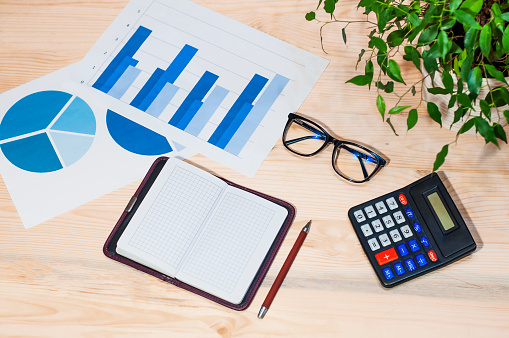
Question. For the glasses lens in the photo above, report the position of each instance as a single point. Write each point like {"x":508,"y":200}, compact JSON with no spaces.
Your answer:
{"x":304,"y":137}
{"x":354,"y":162}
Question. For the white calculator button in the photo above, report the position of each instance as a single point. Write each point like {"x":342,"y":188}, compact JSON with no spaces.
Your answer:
{"x":396,"y":237}
{"x":388,"y":221}
{"x":370,"y":211}
{"x":406,"y":231}
{"x":398,"y":216}
{"x":380,"y":206}
{"x":377,"y":225}
{"x":359,"y":216}
{"x":384,"y":239}
{"x":391,"y":202}
{"x":366,"y":229}
{"x":373,"y":244}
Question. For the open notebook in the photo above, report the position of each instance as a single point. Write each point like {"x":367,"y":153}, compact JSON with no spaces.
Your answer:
{"x":203,"y":231}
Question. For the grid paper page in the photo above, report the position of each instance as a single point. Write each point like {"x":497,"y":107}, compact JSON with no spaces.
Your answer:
{"x":229,"y":242}
{"x":176,"y":216}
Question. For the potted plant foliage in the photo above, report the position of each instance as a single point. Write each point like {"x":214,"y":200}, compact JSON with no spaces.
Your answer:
{"x":461,"y":48}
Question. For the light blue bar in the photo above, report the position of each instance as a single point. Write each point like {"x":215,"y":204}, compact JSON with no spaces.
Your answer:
{"x":206,"y":111}
{"x":162,"y":100}
{"x":255,"y":117}
{"x":124,"y":82}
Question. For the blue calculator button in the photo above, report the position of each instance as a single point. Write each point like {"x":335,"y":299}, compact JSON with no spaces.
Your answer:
{"x":424,"y":241}
{"x":388,"y":273}
{"x":421,"y":260}
{"x":398,"y":267}
{"x":413,"y":245}
{"x":417,"y":227}
{"x":410,"y":264}
{"x":410,"y":213}
{"x":403,"y":251}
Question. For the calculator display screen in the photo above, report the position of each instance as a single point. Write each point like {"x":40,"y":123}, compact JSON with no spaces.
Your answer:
{"x":440,"y":211}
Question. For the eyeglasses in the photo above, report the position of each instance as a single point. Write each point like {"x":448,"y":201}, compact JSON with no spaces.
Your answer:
{"x":351,"y":161}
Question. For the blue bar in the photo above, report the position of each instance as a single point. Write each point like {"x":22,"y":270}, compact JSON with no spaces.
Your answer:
{"x":234,"y":126}
{"x":147,"y":87}
{"x":206,"y":111}
{"x":255,"y":117}
{"x":171,"y":74}
{"x":129,"y":49}
{"x":125,"y":81}
{"x":122,"y":67}
{"x":248,"y":95}
{"x":162,"y":100}
{"x":199,"y":91}
{"x":188,"y":116}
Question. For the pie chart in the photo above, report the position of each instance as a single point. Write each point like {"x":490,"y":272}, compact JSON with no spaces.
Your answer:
{"x":47,"y":131}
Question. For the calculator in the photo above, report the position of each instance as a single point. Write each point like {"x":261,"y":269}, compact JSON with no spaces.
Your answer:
{"x":411,"y":231}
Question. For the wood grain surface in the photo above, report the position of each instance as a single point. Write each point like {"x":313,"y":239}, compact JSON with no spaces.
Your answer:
{"x":56,"y":282}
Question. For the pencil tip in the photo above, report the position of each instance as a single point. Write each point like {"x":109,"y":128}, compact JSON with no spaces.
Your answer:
{"x":262,"y":312}
{"x":307,"y":226}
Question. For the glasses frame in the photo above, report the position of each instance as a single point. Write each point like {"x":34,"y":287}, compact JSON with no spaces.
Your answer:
{"x":338,"y":144}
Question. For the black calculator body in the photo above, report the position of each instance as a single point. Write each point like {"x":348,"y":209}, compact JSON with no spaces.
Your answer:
{"x":411,"y":231}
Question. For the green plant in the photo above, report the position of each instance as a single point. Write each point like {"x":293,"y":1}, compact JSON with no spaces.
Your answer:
{"x":463,"y":42}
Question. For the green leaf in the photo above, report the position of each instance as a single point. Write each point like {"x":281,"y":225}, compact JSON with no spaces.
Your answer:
{"x":499,"y":132}
{"x":466,"y":126}
{"x":484,"y":128}
{"x":413,"y":18}
{"x":392,"y":127}
{"x":470,"y":38}
{"x":498,"y":96}
{"x":495,"y":73}
{"x":448,"y":23}
{"x":428,"y":35}
{"x":360,"y":80}
{"x":434,"y":113}
{"x":360,"y":55}
{"x":466,"y":67}
{"x":467,"y":18}
{"x":454,"y":4}
{"x":380,"y":104}
{"x":329,"y":6}
{"x":412,"y":118}
{"x":395,"y":38}
{"x":475,"y":81}
{"x":464,"y":100}
{"x":485,"y":40}
{"x":412,"y":54}
{"x":485,"y":109}
{"x":440,"y":159}
{"x":413,"y":91}
{"x":458,"y":114}
{"x":506,"y":115}
{"x":452,"y":101}
{"x":394,"y":72}
{"x":397,"y":109}
{"x":310,"y":16}
{"x":377,"y":42}
{"x":505,"y":16}
{"x":505,"y":39}
{"x":389,"y":88}
{"x":474,"y":6}
{"x":438,"y":91}
{"x":448,"y":81}
{"x":319,"y":3}
{"x":343,"y":32}
{"x":444,"y":44}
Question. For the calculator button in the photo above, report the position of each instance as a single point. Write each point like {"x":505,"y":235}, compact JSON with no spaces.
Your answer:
{"x":388,"y":273}
{"x":388,"y":221}
{"x":398,"y":216}
{"x":424,"y":241}
{"x":421,"y":260}
{"x":406,"y":231}
{"x":377,"y":225}
{"x":396,"y":237}
{"x":359,"y":216}
{"x":417,"y":227}
{"x":403,"y":251}
{"x":391,"y":202}
{"x":373,"y":244}
{"x":398,"y":267}
{"x":432,"y":255}
{"x":410,"y":264}
{"x":386,"y":256}
{"x":370,"y":211}
{"x":366,"y":230}
{"x":413,"y":245}
{"x":384,"y":239}
{"x":380,"y":206}
{"x":402,"y":199}
{"x":409,"y":213}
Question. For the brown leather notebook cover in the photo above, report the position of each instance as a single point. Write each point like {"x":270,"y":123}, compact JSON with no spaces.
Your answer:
{"x":109,"y":248}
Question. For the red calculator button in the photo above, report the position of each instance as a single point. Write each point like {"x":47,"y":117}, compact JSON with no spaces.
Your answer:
{"x":402,"y":199}
{"x":432,"y":255}
{"x":386,"y":256}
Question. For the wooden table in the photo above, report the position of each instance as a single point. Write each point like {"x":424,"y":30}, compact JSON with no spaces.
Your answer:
{"x":55,"y":280}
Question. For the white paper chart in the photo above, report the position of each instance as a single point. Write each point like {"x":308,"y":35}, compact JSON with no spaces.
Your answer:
{"x":220,"y":86}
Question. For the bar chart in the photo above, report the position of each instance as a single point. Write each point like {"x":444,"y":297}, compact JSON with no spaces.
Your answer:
{"x":201,"y":101}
